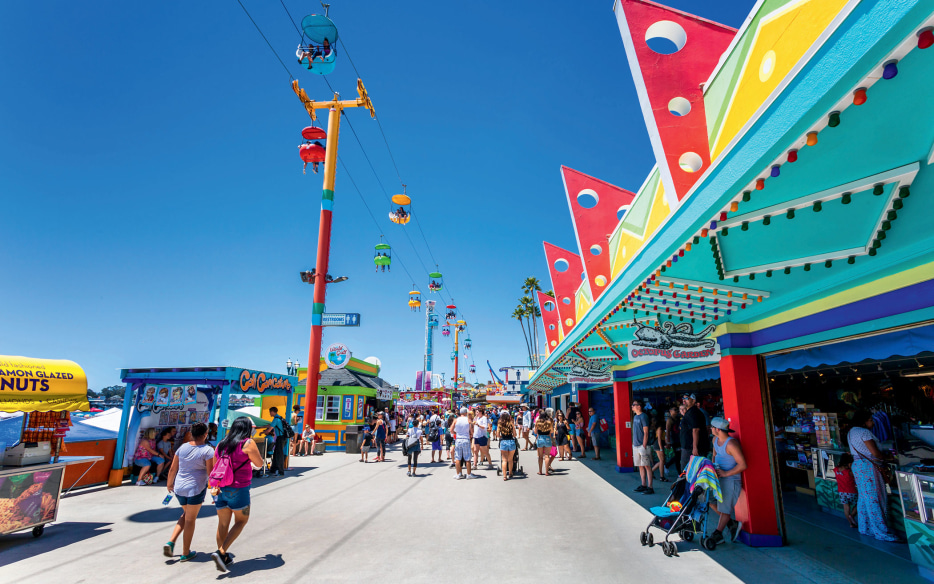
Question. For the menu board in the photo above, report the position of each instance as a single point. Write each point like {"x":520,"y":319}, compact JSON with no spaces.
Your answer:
{"x":29,"y":498}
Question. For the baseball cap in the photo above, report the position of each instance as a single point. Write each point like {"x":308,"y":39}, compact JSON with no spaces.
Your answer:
{"x":689,"y":396}
{"x":721,"y":424}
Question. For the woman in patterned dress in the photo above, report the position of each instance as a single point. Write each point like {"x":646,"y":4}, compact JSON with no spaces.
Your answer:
{"x":872,"y":505}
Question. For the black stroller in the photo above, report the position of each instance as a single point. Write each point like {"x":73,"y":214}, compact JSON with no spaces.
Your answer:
{"x":516,"y":467}
{"x":688,"y":521}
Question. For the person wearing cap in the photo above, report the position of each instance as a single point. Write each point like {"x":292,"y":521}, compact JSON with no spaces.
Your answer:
{"x":641,"y":455}
{"x":730,"y":463}
{"x":462,"y":428}
{"x":695,"y":440}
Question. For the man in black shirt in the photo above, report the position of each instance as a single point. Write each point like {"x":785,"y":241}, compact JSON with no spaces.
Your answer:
{"x":695,"y":439}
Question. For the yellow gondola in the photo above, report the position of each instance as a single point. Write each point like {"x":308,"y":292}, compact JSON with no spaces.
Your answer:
{"x":415,"y":302}
{"x":400,"y":211}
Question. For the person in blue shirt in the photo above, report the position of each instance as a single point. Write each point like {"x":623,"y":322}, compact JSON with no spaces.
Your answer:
{"x":276,"y":430}
{"x":494,"y":421}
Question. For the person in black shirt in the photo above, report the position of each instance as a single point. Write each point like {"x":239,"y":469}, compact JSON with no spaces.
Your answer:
{"x":695,"y":438}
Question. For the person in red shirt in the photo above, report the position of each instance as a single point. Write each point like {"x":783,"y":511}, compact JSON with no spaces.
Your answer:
{"x":846,"y":488}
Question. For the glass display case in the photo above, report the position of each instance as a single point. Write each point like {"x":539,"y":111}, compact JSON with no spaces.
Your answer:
{"x":916,"y":492}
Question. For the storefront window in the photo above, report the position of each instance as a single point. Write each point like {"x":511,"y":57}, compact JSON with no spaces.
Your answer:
{"x":333,"y":410}
{"x":319,"y":413}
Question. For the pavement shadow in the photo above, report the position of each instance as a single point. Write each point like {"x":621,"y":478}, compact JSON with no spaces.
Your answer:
{"x":267,"y":562}
{"x":168,"y":514}
{"x":18,"y":546}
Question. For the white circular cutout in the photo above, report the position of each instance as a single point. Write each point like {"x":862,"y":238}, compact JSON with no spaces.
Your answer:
{"x":678,"y":106}
{"x":566,"y":300}
{"x":690,"y":162}
{"x":548,"y":305}
{"x":588,"y":198}
{"x":621,"y":211}
{"x":562,"y":265}
{"x":767,"y":66}
{"x":569,"y":322}
{"x":595,"y":249}
{"x":583,"y":276}
{"x":600,"y":281}
{"x":554,"y":343}
{"x":665,"y":37}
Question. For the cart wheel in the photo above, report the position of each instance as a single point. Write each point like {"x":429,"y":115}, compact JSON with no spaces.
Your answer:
{"x":38,"y":530}
{"x":651,"y":540}
{"x":668,"y":548}
{"x":687,"y":535}
{"x":643,"y":538}
{"x":710,"y":544}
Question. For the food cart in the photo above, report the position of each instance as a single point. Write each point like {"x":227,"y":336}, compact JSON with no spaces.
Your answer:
{"x":40,"y":393}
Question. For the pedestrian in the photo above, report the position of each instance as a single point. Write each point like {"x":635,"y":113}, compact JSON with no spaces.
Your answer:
{"x":481,"y":439}
{"x":276,"y":430}
{"x":449,"y":435}
{"x":641,"y":455}
{"x":593,"y":428}
{"x":507,"y":445}
{"x":658,"y":444}
{"x":673,"y":439}
{"x":462,"y":456}
{"x":233,"y":501}
{"x":146,"y":457}
{"x":544,"y":430}
{"x":379,"y":436}
{"x":572,"y":411}
{"x":297,"y":423}
{"x":695,"y":440}
{"x":165,"y":444}
{"x":365,"y":444}
{"x":846,"y":487}
{"x":579,"y":432}
{"x":413,"y":446}
{"x":730,"y":463}
{"x":872,"y":506}
{"x":434,"y":436}
{"x":562,"y":430}
{"x":494,"y":424}
{"x":526,"y":425}
{"x":188,"y":480}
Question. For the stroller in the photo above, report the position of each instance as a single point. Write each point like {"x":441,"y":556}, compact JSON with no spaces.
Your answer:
{"x":691,"y":519}
{"x":516,"y":467}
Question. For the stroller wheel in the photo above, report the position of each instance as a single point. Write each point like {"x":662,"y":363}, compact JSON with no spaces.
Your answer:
{"x":651,"y":540}
{"x":687,"y":535}
{"x":666,"y":549}
{"x":643,"y":538}
{"x":710,"y":544}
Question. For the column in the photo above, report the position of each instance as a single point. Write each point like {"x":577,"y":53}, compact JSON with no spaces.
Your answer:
{"x":745,"y":405}
{"x":622,"y":394}
{"x":583,"y":398}
{"x":116,"y":472}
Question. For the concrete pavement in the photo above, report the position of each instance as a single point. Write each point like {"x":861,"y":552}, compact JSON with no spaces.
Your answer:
{"x":334,"y":519}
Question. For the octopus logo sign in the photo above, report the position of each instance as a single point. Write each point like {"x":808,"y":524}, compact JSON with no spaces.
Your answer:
{"x":337,"y":356}
{"x":668,"y":342}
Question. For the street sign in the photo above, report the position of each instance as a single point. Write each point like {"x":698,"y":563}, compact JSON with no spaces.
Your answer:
{"x":340,"y":319}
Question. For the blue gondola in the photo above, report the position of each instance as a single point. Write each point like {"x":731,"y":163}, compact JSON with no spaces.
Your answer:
{"x":320,"y":52}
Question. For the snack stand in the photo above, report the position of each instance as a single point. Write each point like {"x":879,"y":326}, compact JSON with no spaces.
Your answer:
{"x":180,"y":396}
{"x":32,"y":474}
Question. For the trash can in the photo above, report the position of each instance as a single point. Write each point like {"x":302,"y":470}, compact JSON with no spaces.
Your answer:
{"x":351,"y":439}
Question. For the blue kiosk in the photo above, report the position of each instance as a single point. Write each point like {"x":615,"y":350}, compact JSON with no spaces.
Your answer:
{"x":161,"y":397}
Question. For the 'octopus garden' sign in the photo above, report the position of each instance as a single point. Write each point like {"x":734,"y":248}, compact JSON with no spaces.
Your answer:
{"x":670,"y":342}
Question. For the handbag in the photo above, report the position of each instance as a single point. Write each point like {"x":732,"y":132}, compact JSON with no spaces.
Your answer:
{"x":884,"y":469}
{"x":554,"y":451}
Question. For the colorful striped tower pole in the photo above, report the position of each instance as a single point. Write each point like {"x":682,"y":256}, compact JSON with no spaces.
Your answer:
{"x":321,"y":268}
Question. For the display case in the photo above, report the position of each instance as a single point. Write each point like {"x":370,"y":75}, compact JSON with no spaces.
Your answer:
{"x":825,"y":461}
{"x":916,"y":493}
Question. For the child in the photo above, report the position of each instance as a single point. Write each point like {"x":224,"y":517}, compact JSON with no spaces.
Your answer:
{"x":308,"y":440}
{"x":846,"y":487}
{"x":365,"y":445}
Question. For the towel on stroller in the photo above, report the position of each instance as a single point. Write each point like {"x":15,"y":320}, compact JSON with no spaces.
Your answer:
{"x":700,"y":471}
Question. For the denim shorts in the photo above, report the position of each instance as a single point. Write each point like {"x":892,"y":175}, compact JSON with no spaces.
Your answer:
{"x":233,"y":498}
{"x":507,"y":445}
{"x":149,"y":461}
{"x":481,"y":442}
{"x":544,"y":442}
{"x":193,"y":500}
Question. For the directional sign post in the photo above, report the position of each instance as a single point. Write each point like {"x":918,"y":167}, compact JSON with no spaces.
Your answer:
{"x":341,"y":319}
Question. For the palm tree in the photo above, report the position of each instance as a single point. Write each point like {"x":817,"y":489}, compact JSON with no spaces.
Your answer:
{"x":519,"y":314}
{"x":530,"y":287}
{"x":528,"y":310}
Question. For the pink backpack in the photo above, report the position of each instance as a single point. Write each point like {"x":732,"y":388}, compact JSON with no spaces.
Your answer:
{"x":222,"y":475}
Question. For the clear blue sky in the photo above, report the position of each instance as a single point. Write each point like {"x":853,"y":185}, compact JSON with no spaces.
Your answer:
{"x":154,"y":208}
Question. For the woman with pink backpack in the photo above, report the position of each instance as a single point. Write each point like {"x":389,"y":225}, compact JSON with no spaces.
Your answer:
{"x":229,"y":482}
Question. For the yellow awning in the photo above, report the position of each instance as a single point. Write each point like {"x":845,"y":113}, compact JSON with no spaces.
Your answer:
{"x":43,"y":385}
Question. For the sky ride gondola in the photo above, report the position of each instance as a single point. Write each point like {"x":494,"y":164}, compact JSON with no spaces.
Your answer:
{"x":446,"y":331}
{"x":402,"y":214}
{"x":467,"y":343}
{"x":319,"y":53}
{"x":415,"y":300}
{"x":435,"y":282}
{"x":461,"y":325}
{"x":451,"y":313}
{"x":473,"y":369}
{"x":383,"y":257}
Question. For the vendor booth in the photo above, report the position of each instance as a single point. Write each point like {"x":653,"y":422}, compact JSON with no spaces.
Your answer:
{"x":36,"y":398}
{"x":178,"y":397}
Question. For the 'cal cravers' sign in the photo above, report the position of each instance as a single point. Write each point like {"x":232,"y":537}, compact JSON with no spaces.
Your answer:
{"x":588,"y":374}
{"x":258,"y":381}
{"x":670,"y":342}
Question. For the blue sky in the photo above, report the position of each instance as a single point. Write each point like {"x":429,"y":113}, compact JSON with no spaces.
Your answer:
{"x":155,"y":212}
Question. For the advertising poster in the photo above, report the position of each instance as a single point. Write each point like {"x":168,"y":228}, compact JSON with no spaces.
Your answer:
{"x":28,"y":499}
{"x":191,"y":395}
{"x":348,"y":407}
{"x":148,"y":395}
{"x":178,"y":398}
{"x":162,"y":396}
{"x":360,"y":401}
